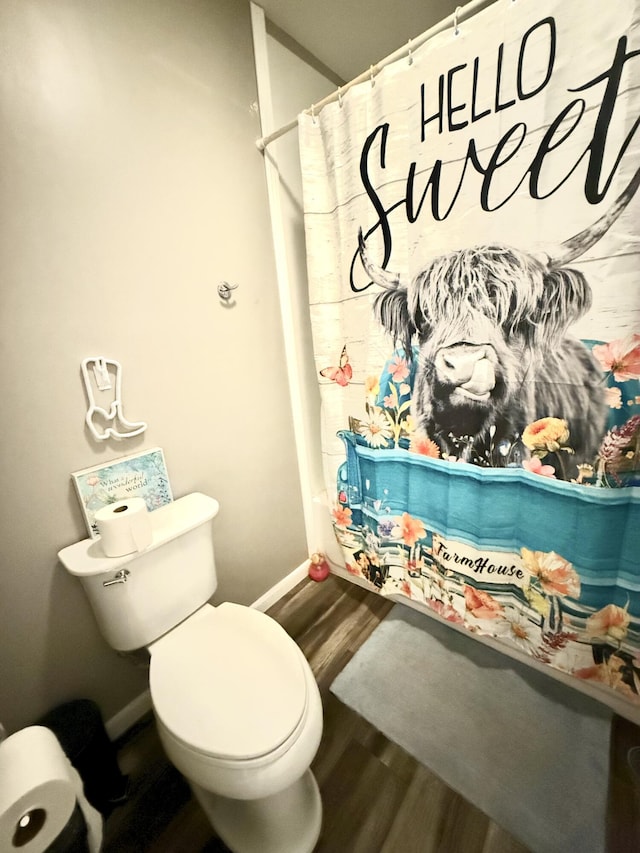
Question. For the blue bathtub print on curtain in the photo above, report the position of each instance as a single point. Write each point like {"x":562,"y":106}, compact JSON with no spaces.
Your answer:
{"x":472,"y":216}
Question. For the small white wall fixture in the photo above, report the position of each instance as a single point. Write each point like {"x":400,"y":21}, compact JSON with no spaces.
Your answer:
{"x":103,"y":380}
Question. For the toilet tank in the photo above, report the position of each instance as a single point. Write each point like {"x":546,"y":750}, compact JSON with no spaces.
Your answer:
{"x":139,"y":597}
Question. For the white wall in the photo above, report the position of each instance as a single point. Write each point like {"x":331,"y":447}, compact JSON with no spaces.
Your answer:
{"x":131,"y":186}
{"x":289,"y":81}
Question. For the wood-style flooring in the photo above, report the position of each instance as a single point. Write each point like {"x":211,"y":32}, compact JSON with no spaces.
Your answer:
{"x":376,"y":798}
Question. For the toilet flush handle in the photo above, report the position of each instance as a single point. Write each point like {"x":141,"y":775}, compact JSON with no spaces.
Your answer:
{"x":119,"y":577}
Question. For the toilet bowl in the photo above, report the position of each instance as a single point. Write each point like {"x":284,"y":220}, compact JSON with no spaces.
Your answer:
{"x":237,"y":707}
{"x":249,"y":730}
{"x":253,"y":720}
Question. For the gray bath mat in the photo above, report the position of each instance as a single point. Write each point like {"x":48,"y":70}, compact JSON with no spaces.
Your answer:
{"x":528,"y":751}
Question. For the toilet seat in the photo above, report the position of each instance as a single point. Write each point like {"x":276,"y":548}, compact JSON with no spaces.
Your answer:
{"x":229,"y":683}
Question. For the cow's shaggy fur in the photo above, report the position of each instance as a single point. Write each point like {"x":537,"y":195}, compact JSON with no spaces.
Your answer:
{"x":490,"y":323}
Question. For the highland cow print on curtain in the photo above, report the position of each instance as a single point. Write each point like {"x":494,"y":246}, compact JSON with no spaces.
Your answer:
{"x":472,"y":216}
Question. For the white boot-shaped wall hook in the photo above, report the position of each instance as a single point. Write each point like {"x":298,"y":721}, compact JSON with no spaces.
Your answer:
{"x":105,"y":418}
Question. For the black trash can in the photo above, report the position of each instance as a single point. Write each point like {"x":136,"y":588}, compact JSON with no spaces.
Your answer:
{"x":79,"y":728}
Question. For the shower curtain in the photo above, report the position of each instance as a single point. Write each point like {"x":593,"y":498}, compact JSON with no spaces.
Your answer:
{"x":471,"y":217}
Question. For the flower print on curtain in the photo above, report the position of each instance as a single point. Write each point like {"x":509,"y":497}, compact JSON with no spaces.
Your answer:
{"x":472,"y":238}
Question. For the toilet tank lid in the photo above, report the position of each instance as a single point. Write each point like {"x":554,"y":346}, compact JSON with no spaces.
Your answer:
{"x":244,"y":677}
{"x":87,"y":558}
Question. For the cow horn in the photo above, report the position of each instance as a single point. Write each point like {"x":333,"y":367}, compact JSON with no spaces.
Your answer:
{"x":378,"y":275}
{"x":578,"y":245}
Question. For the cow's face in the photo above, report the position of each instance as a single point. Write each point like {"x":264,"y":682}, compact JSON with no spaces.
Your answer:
{"x":483,"y":319}
{"x":468,"y":367}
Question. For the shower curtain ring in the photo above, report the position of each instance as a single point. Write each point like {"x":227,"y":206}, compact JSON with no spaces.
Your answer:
{"x":410,"y":57}
{"x":371,"y":77}
{"x":313,"y":113}
{"x":456,"y":28}
{"x":340,"y":97}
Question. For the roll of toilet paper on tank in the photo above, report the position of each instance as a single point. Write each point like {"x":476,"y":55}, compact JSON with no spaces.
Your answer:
{"x":37,"y":794}
{"x":124,"y":527}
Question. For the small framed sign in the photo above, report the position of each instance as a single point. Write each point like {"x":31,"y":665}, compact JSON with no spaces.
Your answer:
{"x":141,"y":475}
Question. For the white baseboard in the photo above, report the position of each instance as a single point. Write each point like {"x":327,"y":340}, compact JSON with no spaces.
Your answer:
{"x":282,"y":587}
{"x":128,"y":716}
{"x":141,"y":705}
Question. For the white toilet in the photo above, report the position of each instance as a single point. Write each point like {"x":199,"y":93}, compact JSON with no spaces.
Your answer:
{"x":237,"y":706}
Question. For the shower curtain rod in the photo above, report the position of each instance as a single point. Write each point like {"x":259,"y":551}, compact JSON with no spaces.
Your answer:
{"x":406,"y":50}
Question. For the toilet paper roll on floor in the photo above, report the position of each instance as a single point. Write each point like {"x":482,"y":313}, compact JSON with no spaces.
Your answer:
{"x":124,"y":527}
{"x":38,"y":792}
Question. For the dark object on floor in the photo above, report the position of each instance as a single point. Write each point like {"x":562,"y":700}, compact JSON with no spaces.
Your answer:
{"x":79,"y":728}
{"x":74,"y":837}
{"x":633,"y":757}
